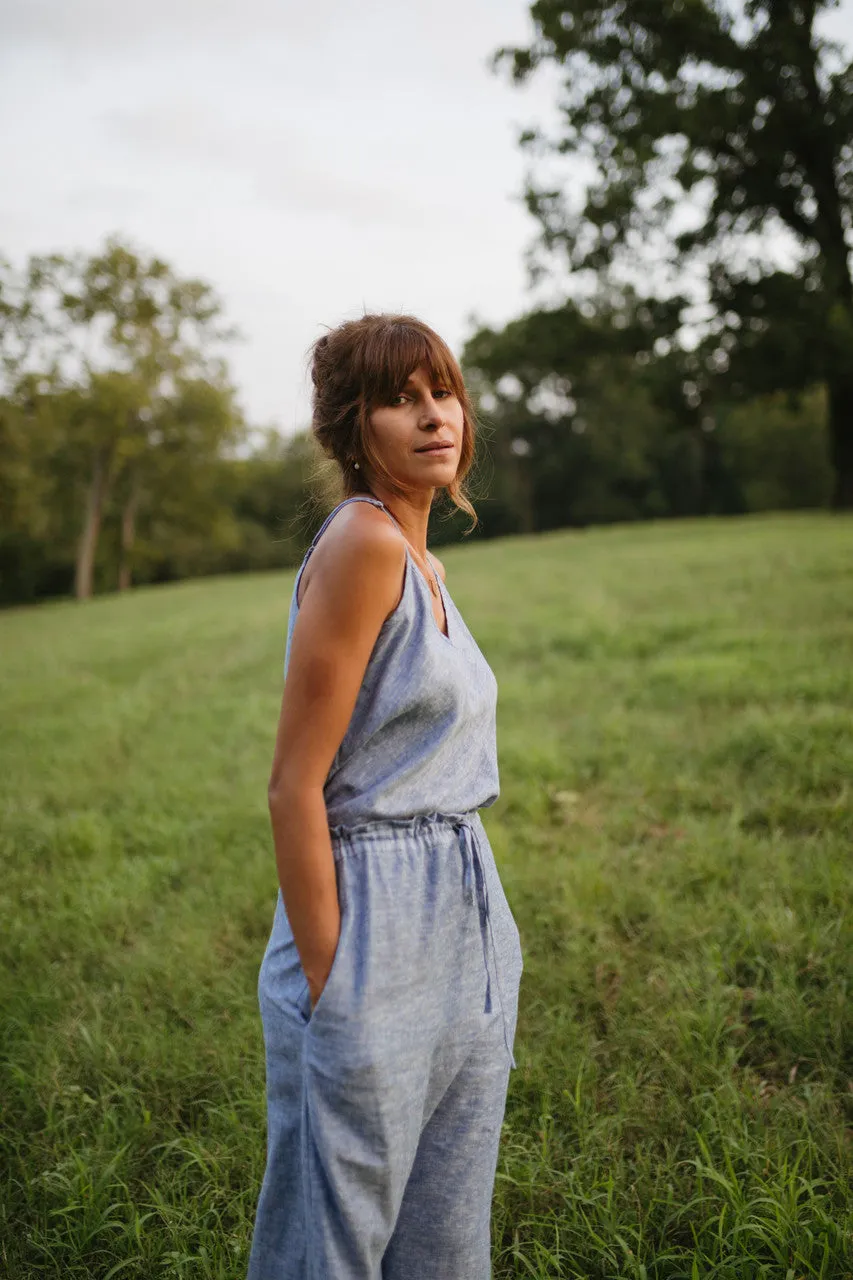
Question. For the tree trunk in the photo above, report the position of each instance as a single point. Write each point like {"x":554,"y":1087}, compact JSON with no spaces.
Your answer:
{"x":128,"y":536}
{"x":841,"y":437}
{"x":88,"y":545}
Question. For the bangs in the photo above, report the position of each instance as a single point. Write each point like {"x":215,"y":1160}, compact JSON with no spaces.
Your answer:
{"x":390,"y":356}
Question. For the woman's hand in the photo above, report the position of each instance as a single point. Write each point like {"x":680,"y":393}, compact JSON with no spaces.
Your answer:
{"x":315,"y":992}
{"x":318,"y":975}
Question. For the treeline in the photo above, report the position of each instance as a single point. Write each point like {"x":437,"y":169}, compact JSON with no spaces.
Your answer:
{"x":688,"y":373}
{"x":124,"y":457}
{"x":703,"y":153}
{"x":590,"y":424}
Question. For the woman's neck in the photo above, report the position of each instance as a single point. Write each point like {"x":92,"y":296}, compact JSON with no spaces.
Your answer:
{"x":411,"y":513}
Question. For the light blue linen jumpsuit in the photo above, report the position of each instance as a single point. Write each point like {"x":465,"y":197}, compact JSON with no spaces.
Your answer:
{"x":385,"y":1103}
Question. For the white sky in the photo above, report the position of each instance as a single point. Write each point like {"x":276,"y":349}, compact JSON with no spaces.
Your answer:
{"x":310,"y":160}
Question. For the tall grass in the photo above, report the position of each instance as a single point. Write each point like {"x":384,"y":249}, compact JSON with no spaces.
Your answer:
{"x":674,"y":832}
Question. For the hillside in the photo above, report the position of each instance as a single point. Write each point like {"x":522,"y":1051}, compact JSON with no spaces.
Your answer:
{"x":674,"y":832}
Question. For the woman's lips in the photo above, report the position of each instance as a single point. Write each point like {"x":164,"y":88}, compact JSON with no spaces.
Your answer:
{"x":434,"y":448}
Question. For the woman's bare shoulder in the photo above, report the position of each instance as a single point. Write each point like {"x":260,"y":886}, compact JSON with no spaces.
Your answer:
{"x":360,"y":550}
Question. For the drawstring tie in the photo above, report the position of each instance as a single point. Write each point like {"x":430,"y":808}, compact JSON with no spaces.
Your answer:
{"x":474,"y":885}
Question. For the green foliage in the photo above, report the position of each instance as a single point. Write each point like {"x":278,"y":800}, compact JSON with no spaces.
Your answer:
{"x":673,"y":832}
{"x":124,"y":456}
{"x":752,"y":105}
{"x":776,"y":446}
{"x":116,"y":393}
{"x":743,"y":113}
{"x":585,"y":426}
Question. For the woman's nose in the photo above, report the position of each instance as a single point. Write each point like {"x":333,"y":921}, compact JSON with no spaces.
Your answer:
{"x":431,"y":412}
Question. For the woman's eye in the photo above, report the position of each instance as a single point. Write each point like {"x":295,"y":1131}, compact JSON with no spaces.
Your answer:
{"x":439,"y":392}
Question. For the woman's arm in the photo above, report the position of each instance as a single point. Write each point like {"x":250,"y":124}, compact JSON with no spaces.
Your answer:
{"x":356,"y":581}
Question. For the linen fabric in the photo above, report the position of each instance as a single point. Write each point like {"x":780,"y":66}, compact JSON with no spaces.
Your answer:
{"x":385,"y":1103}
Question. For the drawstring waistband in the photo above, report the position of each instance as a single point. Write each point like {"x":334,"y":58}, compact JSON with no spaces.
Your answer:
{"x":474,"y":882}
{"x":465,"y":826}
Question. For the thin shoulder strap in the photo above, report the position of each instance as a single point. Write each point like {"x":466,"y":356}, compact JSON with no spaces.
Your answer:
{"x":393,"y":519}
{"x":356,"y":497}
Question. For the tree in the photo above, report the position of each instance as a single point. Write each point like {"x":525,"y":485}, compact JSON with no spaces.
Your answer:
{"x":38,"y":513}
{"x":126,"y":354}
{"x":588,"y":423}
{"x":776,"y":447}
{"x":743,"y":114}
{"x":163,"y":333}
{"x":170,"y":482}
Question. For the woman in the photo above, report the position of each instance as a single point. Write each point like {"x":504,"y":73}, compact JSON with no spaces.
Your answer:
{"x":389,"y":985}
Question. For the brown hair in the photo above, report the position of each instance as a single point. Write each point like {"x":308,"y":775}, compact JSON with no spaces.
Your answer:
{"x":363,"y":364}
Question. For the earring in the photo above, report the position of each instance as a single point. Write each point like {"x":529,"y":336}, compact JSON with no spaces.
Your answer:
{"x":355,"y":464}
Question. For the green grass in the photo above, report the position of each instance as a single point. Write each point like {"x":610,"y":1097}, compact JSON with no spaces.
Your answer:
{"x":674,"y":832}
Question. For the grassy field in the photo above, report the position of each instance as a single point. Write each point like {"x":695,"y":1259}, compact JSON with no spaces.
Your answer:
{"x":674,"y":831}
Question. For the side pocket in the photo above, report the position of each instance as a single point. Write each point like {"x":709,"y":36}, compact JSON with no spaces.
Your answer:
{"x":281,"y":980}
{"x":303,"y":1000}
{"x":508,"y":938}
{"x":338,"y":963}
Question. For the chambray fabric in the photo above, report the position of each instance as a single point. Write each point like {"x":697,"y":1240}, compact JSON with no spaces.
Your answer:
{"x":422,"y":735}
{"x":385,"y":1104}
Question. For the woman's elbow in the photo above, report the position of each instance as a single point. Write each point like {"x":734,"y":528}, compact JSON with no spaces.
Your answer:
{"x":286,"y":787}
{"x":279,"y":790}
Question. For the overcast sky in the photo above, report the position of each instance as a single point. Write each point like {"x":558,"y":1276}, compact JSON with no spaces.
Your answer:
{"x":310,"y":160}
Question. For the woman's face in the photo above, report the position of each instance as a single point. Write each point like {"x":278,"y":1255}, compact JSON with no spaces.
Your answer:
{"x":409,"y":433}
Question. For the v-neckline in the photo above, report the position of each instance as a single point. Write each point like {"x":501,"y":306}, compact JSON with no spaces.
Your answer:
{"x":446,"y":637}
